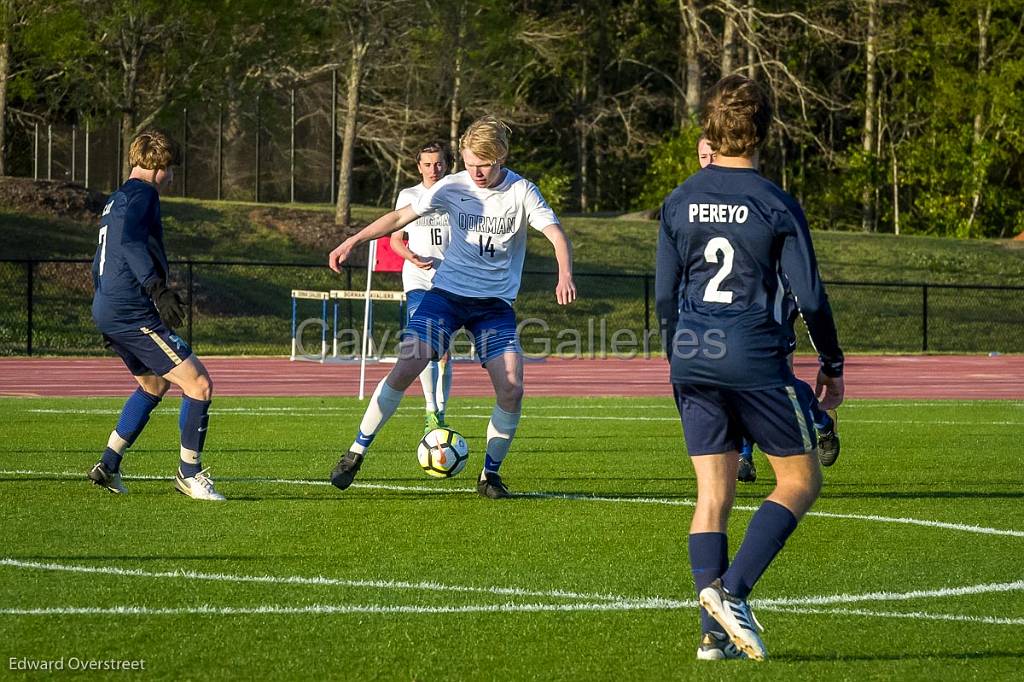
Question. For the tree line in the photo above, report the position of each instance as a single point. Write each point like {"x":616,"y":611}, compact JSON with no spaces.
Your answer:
{"x":901,"y":116}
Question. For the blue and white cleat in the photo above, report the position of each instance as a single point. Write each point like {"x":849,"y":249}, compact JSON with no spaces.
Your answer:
{"x":734,"y":616}
{"x":714,"y":646}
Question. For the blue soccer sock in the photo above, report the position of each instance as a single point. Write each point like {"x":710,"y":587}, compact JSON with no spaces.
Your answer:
{"x":767,"y":533}
{"x":500,"y":431}
{"x":134,"y":417}
{"x":747,"y":449}
{"x":192,"y":421}
{"x":709,"y":557}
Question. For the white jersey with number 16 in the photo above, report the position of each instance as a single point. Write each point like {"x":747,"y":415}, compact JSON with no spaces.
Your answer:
{"x":428,"y":237}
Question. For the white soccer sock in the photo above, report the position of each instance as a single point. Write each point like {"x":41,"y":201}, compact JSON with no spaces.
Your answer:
{"x":444,"y":385}
{"x":116,"y":443}
{"x":428,"y":379}
{"x":383,"y":404}
{"x":500,"y":430}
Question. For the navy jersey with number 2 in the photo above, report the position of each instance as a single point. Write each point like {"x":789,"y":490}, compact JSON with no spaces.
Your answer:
{"x":129,"y":257}
{"x":730,"y":241}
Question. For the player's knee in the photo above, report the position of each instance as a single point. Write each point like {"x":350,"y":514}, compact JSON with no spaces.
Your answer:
{"x":202,"y":388}
{"x":154,"y":385}
{"x":716,"y":503}
{"x":510,"y":393}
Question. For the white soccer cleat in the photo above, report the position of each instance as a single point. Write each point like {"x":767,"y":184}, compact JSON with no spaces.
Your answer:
{"x":198,"y":487}
{"x":715,"y":646}
{"x":735,"y":618}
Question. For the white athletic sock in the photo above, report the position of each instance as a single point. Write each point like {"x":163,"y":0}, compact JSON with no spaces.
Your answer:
{"x":383,"y":404}
{"x":116,"y":443}
{"x":500,"y":430}
{"x":444,"y":386}
{"x":428,"y":379}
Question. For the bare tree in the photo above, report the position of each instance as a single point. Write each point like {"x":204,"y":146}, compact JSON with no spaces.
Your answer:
{"x":6,"y":20}
{"x":979,"y":168}
{"x":690,"y":18}
{"x":869,"y":137}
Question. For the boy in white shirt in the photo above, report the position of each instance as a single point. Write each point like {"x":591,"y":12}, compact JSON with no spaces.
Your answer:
{"x":427,"y":241}
{"x":488,"y":207}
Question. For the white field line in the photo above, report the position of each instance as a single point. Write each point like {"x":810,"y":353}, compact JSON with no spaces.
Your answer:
{"x":988,"y":588}
{"x":329,"y":609}
{"x":603,"y":602}
{"x":621,"y":601}
{"x":913,"y":615}
{"x":328,"y":411}
{"x":962,"y":527}
{"x":343,"y":609}
{"x":322,"y":581}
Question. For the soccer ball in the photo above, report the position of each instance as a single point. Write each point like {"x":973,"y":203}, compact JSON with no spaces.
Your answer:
{"x":443,"y":453}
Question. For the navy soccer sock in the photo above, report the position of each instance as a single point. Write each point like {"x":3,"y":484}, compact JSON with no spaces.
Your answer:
{"x":709,"y":557}
{"x":192,"y":421}
{"x":134,"y":416}
{"x":767,"y":533}
{"x":747,"y":449}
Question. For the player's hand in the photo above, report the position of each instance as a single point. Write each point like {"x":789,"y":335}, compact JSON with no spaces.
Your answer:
{"x":422,"y":262}
{"x":168,"y":303}
{"x":833,"y":389}
{"x":341,"y":254}
{"x":565,"y":290}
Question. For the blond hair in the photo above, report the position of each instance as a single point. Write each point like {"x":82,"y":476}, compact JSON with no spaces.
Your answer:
{"x":153,"y":150}
{"x":487,"y":137}
{"x":737,"y":116}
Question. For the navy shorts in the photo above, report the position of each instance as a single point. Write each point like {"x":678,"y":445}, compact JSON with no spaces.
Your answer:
{"x":717,"y":419}
{"x":413,"y":298}
{"x":491,"y":322}
{"x":149,"y":349}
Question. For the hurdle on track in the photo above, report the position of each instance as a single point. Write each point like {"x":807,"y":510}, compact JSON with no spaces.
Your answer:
{"x":305,"y":294}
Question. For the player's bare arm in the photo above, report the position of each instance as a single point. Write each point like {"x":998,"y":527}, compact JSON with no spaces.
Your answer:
{"x":565,"y":290}
{"x":399,"y":246}
{"x":386,"y":224}
{"x":833,"y":389}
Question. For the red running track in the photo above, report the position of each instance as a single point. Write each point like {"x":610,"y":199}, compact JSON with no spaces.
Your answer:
{"x":901,"y":377}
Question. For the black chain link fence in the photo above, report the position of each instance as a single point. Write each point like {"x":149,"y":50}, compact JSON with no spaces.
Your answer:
{"x":238,"y":308}
{"x":276,"y":145}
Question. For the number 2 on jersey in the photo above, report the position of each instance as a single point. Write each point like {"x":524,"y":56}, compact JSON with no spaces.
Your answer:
{"x":719,"y":244}
{"x":487,"y":248}
{"x":103,"y":248}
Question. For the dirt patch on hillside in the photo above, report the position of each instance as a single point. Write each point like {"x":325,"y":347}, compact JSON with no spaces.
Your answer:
{"x":315,"y":229}
{"x":51,"y":198}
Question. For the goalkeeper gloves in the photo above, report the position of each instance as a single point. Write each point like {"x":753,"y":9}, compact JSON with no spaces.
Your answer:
{"x":168,"y":303}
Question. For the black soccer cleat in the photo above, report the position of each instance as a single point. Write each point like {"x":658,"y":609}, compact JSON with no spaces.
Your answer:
{"x":105,"y":478}
{"x":828,"y":443}
{"x":746,"y":472}
{"x":490,"y":486}
{"x":345,"y":470}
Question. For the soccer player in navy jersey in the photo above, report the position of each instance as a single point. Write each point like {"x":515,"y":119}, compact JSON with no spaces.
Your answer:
{"x":137,"y":312}
{"x":730,"y":242}
{"x":824,"y":422}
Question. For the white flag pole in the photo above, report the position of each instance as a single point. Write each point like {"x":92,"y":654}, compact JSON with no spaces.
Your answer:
{"x":371,"y":259}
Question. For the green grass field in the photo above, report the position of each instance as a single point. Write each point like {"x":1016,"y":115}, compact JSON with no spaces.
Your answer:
{"x":908,"y":568}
